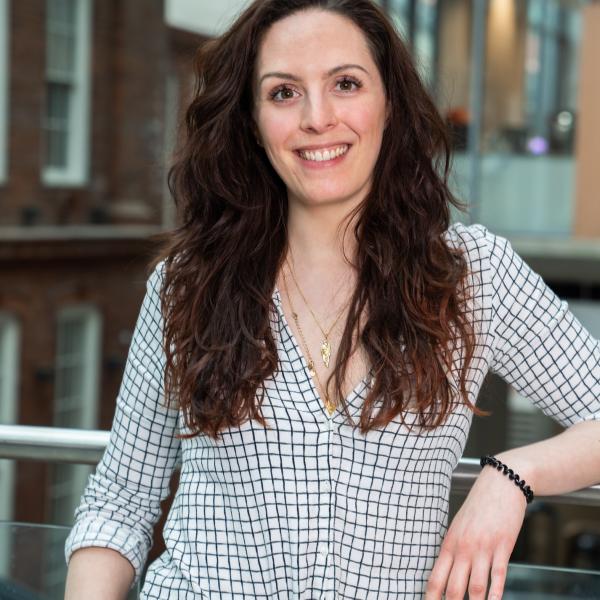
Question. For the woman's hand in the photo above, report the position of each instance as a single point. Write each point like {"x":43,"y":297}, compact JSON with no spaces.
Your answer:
{"x":479,"y":541}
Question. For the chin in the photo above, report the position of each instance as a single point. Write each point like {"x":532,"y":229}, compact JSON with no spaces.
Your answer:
{"x":330,"y":195}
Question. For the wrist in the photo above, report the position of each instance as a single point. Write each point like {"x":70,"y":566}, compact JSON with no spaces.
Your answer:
{"x":520,"y":464}
{"x":516,"y":480}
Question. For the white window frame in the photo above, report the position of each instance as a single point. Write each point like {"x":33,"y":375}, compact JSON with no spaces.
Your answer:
{"x":91,"y":377}
{"x":4,"y":88}
{"x":76,"y":172}
{"x":10,"y":351}
{"x":64,"y":497}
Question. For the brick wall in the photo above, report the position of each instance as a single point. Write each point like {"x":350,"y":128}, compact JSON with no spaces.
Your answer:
{"x":45,"y":266}
{"x":130,"y":58}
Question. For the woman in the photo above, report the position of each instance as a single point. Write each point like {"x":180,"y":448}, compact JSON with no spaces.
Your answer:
{"x":313,"y":343}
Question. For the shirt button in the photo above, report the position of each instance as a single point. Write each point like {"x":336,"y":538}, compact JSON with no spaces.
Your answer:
{"x":327,"y":596}
{"x":323,"y":550}
{"x":327,"y":486}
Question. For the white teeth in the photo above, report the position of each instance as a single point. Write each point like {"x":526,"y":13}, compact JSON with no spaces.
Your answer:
{"x":329,"y":154}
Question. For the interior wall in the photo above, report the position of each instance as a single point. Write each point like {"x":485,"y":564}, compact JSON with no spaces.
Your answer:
{"x":454,"y":55}
{"x":505,"y":61}
{"x":587,"y":147}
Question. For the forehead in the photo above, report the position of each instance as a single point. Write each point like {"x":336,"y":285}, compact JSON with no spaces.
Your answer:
{"x":312,"y":40}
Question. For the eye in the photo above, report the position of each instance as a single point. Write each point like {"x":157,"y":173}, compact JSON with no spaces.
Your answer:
{"x":284,"y":92}
{"x":281,"y":93}
{"x":346,"y":84}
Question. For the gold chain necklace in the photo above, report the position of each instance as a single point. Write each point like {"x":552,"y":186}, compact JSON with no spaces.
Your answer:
{"x":325,"y":344}
{"x":329,"y":405}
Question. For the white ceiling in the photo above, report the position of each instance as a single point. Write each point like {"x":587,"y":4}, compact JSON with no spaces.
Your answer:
{"x":209,"y":17}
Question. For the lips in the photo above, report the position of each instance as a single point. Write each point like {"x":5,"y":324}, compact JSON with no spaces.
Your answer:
{"x":323,"y":153}
{"x":322,"y":147}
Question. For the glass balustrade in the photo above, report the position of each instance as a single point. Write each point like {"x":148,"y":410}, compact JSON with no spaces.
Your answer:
{"x":529,"y":582}
{"x":32,"y":562}
{"x":32,"y":567}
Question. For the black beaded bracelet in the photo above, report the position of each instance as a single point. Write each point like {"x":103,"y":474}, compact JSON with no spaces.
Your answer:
{"x":520,"y":483}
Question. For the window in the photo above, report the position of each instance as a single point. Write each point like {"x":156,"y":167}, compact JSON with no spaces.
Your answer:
{"x":65,"y":123}
{"x":9,"y":376}
{"x":75,"y":405}
{"x":75,"y":396}
{"x":4,"y":75}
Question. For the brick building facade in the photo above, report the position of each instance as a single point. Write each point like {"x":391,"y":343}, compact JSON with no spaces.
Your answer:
{"x":93,"y":90}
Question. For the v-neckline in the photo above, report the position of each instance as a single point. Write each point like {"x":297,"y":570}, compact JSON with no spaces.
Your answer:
{"x":355,"y":391}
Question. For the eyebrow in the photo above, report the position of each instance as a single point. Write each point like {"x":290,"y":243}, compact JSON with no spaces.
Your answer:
{"x":281,"y":75}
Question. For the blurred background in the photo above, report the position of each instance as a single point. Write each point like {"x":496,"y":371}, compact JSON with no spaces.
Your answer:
{"x":91,"y":93}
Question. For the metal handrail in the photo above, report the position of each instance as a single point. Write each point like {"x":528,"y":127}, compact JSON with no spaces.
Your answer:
{"x":54,"y":444}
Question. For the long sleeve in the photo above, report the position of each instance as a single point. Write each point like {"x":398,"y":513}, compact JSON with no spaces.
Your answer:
{"x":540,"y":348}
{"x":121,"y":502}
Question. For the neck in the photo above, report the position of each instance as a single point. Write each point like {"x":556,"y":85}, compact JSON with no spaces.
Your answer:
{"x":320,"y":237}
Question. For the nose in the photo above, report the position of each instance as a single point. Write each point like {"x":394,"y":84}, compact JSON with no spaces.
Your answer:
{"x":318,"y":115}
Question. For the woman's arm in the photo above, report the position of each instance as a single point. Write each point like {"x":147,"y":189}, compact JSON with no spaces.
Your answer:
{"x":542,"y":350}
{"x":98,"y":574}
{"x":483,"y":533}
{"x":121,"y":502}
{"x":566,"y":462}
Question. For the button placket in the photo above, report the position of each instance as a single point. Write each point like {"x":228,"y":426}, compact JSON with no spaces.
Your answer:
{"x":325,"y":549}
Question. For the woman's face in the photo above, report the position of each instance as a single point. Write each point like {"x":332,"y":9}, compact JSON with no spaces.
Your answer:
{"x":320,"y":107}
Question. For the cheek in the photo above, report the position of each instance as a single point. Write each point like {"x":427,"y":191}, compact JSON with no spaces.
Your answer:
{"x":275,"y":127}
{"x":367,"y":120}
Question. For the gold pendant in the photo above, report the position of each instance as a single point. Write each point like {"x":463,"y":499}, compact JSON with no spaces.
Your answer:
{"x":325,"y":351}
{"x":311,"y":368}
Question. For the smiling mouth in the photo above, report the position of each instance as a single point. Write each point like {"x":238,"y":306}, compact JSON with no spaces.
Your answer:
{"x":325,"y":154}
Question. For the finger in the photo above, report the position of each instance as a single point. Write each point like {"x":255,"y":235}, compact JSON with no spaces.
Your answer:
{"x":457,"y":582}
{"x":499,"y":568}
{"x":439,"y":575}
{"x":478,"y":581}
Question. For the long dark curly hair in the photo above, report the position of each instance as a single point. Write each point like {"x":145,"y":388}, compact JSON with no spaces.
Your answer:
{"x":221,"y":263}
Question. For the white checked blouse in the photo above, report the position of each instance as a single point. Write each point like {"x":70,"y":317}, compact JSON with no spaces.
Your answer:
{"x":311,"y":509}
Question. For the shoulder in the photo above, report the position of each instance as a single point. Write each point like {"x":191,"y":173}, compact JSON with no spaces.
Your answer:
{"x":151,"y":310}
{"x":479,"y":243}
{"x":155,"y":279}
{"x":476,"y":242}
{"x":468,"y":237}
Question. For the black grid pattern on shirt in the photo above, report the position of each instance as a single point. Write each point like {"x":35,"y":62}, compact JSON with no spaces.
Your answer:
{"x":311,"y":508}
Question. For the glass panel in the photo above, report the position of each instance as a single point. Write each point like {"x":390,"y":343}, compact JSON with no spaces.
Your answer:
{"x":399,"y":10}
{"x":70,"y":364}
{"x":529,"y":582}
{"x":9,"y":364}
{"x":36,"y":569}
{"x":526,"y":172}
{"x":425,"y":39}
{"x":7,"y":500}
{"x":60,"y":58}
{"x":60,"y":76}
{"x":56,"y":149}
{"x":3,"y":361}
{"x":57,"y":123}
{"x":528,"y":168}
{"x":543,"y":540}
{"x":60,"y":39}
{"x":66,"y":487}
{"x":60,"y":12}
